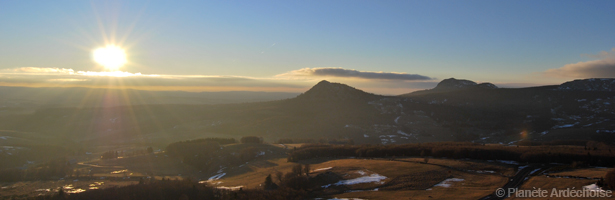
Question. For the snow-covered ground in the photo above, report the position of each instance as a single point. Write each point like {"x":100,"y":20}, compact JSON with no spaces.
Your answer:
{"x":483,"y":171}
{"x":534,"y":171}
{"x":216,"y":177}
{"x":593,"y":187}
{"x":322,"y":169}
{"x":219,"y":174}
{"x":402,"y":133}
{"x":565,"y":126}
{"x":447,"y":182}
{"x":510,"y":162}
{"x":230,"y":188}
{"x":364,"y":179}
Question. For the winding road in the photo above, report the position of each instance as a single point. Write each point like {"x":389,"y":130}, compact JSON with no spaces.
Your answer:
{"x":514,"y":182}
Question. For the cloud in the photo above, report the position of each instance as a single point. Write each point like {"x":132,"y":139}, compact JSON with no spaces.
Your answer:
{"x":59,"y":77}
{"x":351,"y":73}
{"x":39,"y":70}
{"x":604,"y":67}
{"x":378,"y":82}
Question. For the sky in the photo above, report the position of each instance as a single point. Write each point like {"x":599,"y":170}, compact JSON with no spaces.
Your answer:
{"x":384,"y":47}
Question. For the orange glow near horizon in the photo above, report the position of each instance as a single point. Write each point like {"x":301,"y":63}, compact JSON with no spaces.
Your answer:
{"x":524,"y":134}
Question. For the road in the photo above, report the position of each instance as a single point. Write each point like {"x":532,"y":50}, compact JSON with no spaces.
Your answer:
{"x":513,"y":182}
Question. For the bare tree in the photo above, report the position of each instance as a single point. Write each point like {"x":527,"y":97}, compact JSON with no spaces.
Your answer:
{"x":278,"y":175}
{"x":306,"y":169}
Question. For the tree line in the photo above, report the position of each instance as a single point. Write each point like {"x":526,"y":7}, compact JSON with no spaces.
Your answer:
{"x":603,"y":156}
{"x":314,"y":141}
{"x":52,"y":169}
{"x":209,"y":153}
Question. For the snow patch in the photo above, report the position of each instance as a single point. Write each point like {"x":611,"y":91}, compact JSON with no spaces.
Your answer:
{"x":364,"y":179}
{"x":447,"y":183}
{"x":565,"y":126}
{"x":230,"y":188}
{"x":534,"y":171}
{"x":402,"y":133}
{"x":322,"y":169}
{"x":216,"y":177}
{"x":510,"y":162}
{"x":592,"y":187}
{"x":485,"y":172}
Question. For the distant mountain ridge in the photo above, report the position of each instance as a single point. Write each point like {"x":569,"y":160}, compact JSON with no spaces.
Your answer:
{"x":455,"y":110}
{"x":593,"y":84}
{"x":452,"y":83}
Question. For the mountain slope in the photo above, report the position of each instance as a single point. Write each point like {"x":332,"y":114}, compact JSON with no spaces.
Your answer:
{"x":578,"y":109}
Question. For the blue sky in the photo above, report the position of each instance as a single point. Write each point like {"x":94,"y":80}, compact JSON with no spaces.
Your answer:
{"x":510,"y":43}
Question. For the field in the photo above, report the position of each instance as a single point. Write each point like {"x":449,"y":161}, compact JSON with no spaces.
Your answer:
{"x":587,"y":172}
{"x":403,"y":179}
{"x":36,"y":188}
{"x":371,"y":178}
{"x":128,"y":170}
{"x":563,"y":183}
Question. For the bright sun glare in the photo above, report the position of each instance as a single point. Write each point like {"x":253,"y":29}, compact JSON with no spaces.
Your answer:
{"x":111,"y":57}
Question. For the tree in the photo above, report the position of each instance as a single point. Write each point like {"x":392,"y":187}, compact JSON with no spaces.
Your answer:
{"x":306,"y":169}
{"x":150,"y":150}
{"x":279,"y":175}
{"x":297,"y":170}
{"x":251,"y":140}
{"x":609,"y":180}
{"x":61,"y":192}
{"x":269,"y":185}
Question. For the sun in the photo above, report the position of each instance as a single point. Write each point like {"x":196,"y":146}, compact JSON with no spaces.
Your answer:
{"x":111,"y":57}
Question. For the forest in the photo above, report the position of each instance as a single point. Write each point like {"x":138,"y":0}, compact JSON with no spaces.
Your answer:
{"x":592,"y":153}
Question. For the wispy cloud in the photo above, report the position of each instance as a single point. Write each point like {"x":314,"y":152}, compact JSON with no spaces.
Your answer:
{"x":35,"y":70}
{"x":64,"y":71}
{"x":351,"y":73}
{"x":604,"y":67}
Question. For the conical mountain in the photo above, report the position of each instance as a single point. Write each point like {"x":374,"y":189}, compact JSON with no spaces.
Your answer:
{"x":326,"y":90}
